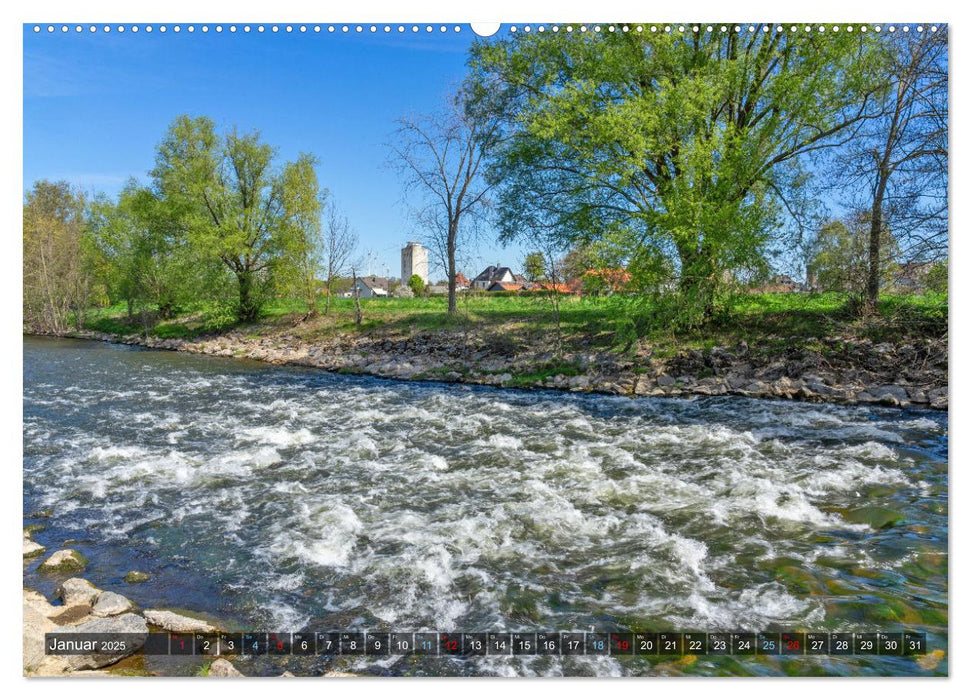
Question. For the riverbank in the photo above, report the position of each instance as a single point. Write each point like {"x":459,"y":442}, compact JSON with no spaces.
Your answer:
{"x":80,"y":607}
{"x":835,"y":369}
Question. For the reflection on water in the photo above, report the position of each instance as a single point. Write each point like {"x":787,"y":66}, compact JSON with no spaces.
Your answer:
{"x":295,"y":499}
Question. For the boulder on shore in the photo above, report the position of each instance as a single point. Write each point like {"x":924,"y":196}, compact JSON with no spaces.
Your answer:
{"x":110,"y":604}
{"x":173,"y":622}
{"x":32,"y":549}
{"x":221,"y":668}
{"x":64,"y":560}
{"x":36,"y":625}
{"x":128,"y":624}
{"x":77,"y":591}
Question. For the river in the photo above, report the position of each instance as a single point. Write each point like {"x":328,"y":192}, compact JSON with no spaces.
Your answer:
{"x":287,"y":499}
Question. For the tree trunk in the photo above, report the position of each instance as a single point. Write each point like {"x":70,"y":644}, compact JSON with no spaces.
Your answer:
{"x":698,"y":279}
{"x":450,"y":247}
{"x":358,"y":317}
{"x":873,"y":261}
{"x":327,"y":300}
{"x":247,"y":308}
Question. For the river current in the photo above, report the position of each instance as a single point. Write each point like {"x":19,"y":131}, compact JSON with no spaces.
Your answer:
{"x":286,"y":499}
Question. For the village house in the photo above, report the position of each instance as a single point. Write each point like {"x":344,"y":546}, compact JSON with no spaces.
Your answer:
{"x":495,"y":273}
{"x":370,"y":287}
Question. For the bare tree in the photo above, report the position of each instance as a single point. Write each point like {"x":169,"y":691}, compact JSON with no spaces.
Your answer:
{"x":544,"y":268}
{"x":439,"y":158}
{"x":57,"y":269}
{"x":340,"y":242}
{"x":898,"y":165}
{"x":358,"y":316}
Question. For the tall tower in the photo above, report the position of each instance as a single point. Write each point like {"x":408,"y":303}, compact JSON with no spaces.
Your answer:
{"x":414,"y":261}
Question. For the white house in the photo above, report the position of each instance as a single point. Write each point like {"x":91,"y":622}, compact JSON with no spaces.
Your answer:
{"x":491,"y":275}
{"x":371,"y":286}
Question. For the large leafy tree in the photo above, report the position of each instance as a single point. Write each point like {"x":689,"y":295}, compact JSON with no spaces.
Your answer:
{"x":237,"y":207}
{"x":672,"y":145}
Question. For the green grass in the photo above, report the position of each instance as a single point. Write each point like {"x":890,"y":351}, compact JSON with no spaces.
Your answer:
{"x":773,"y":321}
{"x":542,"y":373}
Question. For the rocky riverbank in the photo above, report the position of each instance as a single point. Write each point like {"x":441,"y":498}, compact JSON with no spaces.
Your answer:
{"x":836,"y":370}
{"x":81,"y":607}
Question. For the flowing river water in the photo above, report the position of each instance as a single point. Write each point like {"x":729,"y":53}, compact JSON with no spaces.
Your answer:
{"x":286,"y":499}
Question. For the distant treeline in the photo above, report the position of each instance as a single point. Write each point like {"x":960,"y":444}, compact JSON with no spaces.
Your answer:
{"x":692,"y":160}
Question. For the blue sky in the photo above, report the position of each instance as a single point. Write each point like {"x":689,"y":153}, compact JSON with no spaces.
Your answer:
{"x":96,"y":105}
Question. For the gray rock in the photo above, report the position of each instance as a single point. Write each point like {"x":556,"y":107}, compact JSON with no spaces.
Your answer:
{"x":32,"y":549}
{"x":917,"y":395}
{"x":129,"y":624}
{"x":77,"y":591}
{"x":173,"y":622}
{"x":136,"y":577}
{"x":665,"y":380}
{"x":221,"y":668}
{"x":109,"y":604}
{"x":36,"y":625}
{"x":64,"y":560}
{"x":889,"y":393}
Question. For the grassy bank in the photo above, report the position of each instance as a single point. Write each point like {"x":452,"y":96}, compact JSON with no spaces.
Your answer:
{"x":601,"y":323}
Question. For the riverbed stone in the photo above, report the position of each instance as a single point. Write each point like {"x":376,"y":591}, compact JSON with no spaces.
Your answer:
{"x":136,"y":577}
{"x":221,"y":668}
{"x":64,"y":560}
{"x":875,"y":517}
{"x":174,"y":622}
{"x":32,"y":550}
{"x":127,"y":624}
{"x":109,"y":604}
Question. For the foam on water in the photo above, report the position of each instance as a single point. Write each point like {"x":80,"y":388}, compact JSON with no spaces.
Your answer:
{"x":319,"y":500}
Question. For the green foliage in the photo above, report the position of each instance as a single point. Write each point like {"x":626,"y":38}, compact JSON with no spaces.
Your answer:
{"x":669,"y":145}
{"x":58,"y":260}
{"x":936,"y":278}
{"x":417,"y":285}
{"x":535,"y":267}
{"x":237,"y":208}
{"x":841,"y":262}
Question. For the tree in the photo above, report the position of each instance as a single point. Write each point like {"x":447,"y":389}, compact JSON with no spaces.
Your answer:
{"x":841,"y":261}
{"x":544,"y":268}
{"x":340,"y":242}
{"x":897,"y":166}
{"x":143,"y":254}
{"x":672,"y":144}
{"x":236,"y":207}
{"x":535,"y":267}
{"x":416,"y":284}
{"x":439,"y":158}
{"x":57,"y":260}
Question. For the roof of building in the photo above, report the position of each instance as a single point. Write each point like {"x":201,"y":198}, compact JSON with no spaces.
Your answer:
{"x":504,"y":287}
{"x":551,"y":287}
{"x":493,"y":273}
{"x":372,"y":282}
